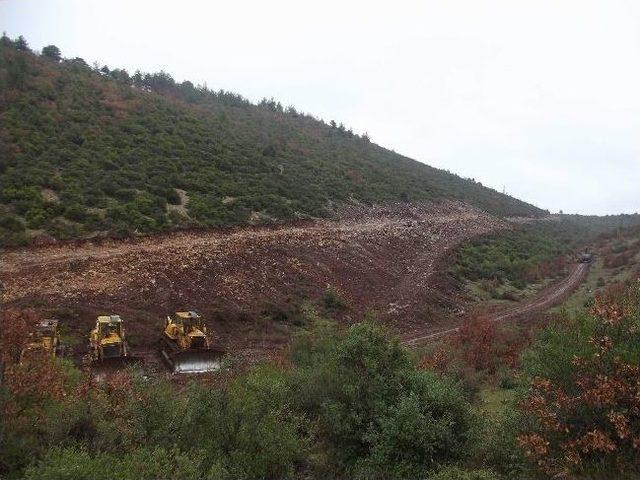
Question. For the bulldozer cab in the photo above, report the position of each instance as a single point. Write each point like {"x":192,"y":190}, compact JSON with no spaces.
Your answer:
{"x":190,"y":322}
{"x":109,"y":326}
{"x":47,"y":329}
{"x":108,"y":346}
{"x":44,"y":339}
{"x":107,"y":338}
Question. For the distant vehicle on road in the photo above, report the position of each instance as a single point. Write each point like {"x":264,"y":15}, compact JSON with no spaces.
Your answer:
{"x":585,"y":258}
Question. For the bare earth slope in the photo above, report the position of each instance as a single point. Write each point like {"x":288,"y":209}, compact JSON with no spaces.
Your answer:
{"x":380,"y":258}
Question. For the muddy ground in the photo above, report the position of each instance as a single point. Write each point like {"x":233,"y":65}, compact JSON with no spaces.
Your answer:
{"x":250,"y":282}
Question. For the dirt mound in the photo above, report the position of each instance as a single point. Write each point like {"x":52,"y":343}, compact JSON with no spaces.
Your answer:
{"x":375,"y":258}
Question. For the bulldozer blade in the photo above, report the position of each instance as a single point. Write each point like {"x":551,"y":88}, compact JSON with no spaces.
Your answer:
{"x":193,"y":361}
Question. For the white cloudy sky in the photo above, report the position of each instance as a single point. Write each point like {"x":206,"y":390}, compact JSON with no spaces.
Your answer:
{"x":539,"y":97}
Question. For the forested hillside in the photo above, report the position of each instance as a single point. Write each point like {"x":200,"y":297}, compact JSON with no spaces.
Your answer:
{"x":536,"y":249}
{"x":88,"y":150}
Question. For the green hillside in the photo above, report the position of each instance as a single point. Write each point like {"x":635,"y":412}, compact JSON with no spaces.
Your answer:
{"x":86,"y":150}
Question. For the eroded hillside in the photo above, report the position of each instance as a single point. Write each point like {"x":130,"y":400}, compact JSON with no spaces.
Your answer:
{"x":250,"y":281}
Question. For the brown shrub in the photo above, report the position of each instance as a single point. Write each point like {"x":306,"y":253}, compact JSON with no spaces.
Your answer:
{"x":592,"y":419}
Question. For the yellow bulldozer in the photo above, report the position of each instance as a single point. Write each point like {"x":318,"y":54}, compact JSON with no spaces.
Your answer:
{"x":186,"y":346}
{"x":107,"y":340}
{"x":44,"y":341}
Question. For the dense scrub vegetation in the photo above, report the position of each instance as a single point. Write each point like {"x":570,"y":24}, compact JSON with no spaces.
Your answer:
{"x":347,"y":404}
{"x":518,"y":257}
{"x":622,"y":252}
{"x":92,"y":149}
{"x":537,"y":251}
{"x":568,"y":394}
{"x":583,"y":405}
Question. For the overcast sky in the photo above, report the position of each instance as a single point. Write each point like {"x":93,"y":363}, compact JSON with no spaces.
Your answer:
{"x":541,"y":98}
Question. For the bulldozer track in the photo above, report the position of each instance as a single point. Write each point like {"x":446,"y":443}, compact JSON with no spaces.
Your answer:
{"x":546,"y":299}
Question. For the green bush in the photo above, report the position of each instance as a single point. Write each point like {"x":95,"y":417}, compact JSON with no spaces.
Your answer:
{"x":332,"y":301}
{"x":11,"y":237}
{"x":510,"y":258}
{"x":557,"y":345}
{"x":63,"y":229}
{"x":172,"y":196}
{"x":289,"y":312}
{"x":11,"y":223}
{"x":583,"y":372}
{"x":497,"y":447}
{"x":139,"y":464}
{"x":36,"y":218}
{"x":75,"y":213}
{"x":43,"y":420}
{"x":380,"y":417}
{"x":263,"y":436}
{"x":456,"y":473}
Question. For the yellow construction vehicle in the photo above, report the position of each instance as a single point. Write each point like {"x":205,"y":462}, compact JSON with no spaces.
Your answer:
{"x":185,"y":345}
{"x":44,"y":341}
{"x":107,"y":339}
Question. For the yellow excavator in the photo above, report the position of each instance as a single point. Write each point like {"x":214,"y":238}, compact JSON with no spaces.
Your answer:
{"x":185,"y":345}
{"x":44,"y":341}
{"x":107,"y":340}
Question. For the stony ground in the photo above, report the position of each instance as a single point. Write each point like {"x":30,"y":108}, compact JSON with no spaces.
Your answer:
{"x":378,"y":258}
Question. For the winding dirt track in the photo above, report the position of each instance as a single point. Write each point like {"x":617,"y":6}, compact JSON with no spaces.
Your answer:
{"x":546,"y":299}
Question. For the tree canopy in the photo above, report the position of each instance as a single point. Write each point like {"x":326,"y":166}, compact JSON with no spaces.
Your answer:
{"x":51,"y":51}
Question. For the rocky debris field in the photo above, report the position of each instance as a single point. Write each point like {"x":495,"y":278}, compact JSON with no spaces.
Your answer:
{"x":250,"y":282}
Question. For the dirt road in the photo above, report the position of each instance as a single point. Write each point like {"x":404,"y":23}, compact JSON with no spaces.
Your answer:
{"x":549,"y":297}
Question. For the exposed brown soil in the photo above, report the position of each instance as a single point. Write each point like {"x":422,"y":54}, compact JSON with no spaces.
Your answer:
{"x":377,"y":258}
